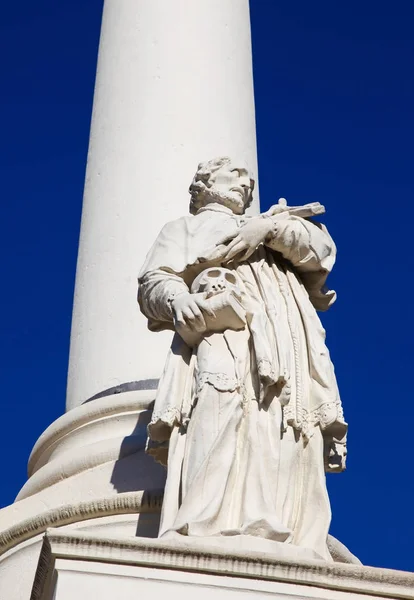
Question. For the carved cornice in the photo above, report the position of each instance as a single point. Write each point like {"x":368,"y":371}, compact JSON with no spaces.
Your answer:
{"x":192,"y":554}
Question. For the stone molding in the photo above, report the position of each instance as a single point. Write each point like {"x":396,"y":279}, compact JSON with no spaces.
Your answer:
{"x":135,"y":401}
{"x":80,"y":460}
{"x":196,"y":556}
{"x":126,"y":503}
{"x":128,"y":386}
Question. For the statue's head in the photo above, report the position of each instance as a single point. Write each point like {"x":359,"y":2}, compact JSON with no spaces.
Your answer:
{"x":221,"y":181}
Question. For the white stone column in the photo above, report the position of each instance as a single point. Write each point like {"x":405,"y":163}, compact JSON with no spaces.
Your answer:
{"x":174,"y":87}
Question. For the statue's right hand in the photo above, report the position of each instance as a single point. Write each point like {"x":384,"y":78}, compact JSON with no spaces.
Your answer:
{"x":187,"y":311}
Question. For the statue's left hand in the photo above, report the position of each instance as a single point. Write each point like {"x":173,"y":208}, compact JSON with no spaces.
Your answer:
{"x":335,"y":452}
{"x":243,"y":242}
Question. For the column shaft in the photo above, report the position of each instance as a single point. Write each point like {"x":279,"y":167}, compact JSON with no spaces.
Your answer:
{"x":174,"y":86}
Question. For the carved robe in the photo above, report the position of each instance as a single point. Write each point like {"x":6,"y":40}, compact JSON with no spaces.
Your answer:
{"x":243,"y":417}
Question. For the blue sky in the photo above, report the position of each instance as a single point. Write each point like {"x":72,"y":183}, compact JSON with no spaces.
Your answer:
{"x":334,"y":91}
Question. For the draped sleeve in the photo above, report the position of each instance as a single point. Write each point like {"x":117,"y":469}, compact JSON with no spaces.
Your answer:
{"x":308,"y":246}
{"x":160,"y":280}
{"x":157,"y":289}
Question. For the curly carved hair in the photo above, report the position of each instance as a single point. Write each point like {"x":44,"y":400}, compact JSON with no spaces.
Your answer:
{"x":202,"y":179}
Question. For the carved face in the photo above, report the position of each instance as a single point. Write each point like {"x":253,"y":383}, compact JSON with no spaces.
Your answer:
{"x":221,"y":181}
{"x":233,"y":180}
{"x":216,"y":280}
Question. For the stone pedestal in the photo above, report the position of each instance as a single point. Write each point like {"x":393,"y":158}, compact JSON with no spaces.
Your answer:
{"x":89,"y":470}
{"x":85,"y":566}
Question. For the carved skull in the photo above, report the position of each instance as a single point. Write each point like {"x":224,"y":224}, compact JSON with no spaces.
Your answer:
{"x":216,"y":280}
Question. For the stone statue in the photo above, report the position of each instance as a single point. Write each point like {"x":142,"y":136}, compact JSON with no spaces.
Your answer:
{"x":247,"y":415}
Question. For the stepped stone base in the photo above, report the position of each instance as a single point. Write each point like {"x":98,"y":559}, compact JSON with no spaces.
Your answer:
{"x":80,"y":565}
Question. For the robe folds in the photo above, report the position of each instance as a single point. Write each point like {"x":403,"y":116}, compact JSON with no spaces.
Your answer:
{"x":244,"y":419}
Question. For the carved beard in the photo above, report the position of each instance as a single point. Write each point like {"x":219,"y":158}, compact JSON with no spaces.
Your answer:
{"x":203,"y":196}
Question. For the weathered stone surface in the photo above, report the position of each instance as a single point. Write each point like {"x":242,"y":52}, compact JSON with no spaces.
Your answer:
{"x":73,"y":565}
{"x":248,"y":407}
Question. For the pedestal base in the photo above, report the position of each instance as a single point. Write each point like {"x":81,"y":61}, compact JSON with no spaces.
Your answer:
{"x":75,"y":565}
